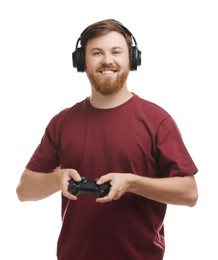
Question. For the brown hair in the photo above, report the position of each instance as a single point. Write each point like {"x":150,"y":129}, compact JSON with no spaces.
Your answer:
{"x":103,"y":27}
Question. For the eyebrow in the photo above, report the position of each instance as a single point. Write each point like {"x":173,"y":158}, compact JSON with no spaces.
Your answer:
{"x":99,"y":49}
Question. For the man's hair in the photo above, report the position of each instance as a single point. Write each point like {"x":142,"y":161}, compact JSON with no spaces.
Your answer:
{"x":103,"y":27}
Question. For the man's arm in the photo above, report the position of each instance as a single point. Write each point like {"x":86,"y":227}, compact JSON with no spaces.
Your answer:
{"x":172,"y":190}
{"x":36,"y":185}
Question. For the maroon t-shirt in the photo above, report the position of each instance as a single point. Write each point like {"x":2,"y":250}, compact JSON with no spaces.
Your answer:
{"x":136,"y":137}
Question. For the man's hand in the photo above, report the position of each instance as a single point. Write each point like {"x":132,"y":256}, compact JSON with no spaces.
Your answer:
{"x":65,"y":175}
{"x":120,"y":184}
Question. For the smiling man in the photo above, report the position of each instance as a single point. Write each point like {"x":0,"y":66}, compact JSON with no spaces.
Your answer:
{"x":107,"y":66}
{"x":117,"y":140}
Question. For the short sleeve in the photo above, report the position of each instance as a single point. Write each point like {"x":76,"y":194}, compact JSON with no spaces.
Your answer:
{"x":173,"y":157}
{"x":45,"y":158}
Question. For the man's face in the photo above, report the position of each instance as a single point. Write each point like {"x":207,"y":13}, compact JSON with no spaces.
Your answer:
{"x":107,"y":62}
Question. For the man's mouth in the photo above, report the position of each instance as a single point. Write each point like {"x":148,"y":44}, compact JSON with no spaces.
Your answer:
{"x":107,"y":71}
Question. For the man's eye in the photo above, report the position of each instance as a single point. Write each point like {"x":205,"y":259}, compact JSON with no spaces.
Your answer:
{"x":97,"y":53}
{"x":116,"y":52}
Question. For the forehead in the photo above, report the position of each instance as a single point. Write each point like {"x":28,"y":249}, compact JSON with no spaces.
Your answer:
{"x":109,"y":40}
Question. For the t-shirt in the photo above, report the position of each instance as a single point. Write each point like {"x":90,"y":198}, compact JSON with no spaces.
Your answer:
{"x":137,"y":137}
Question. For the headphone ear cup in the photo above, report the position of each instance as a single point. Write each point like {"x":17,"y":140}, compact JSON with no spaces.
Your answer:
{"x":78,"y":57}
{"x":134,"y":57}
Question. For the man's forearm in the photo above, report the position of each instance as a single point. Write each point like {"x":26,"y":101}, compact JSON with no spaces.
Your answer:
{"x":174,"y":190}
{"x":36,"y":186}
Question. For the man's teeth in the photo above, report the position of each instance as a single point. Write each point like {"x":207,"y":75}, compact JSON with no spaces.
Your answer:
{"x":107,"y":71}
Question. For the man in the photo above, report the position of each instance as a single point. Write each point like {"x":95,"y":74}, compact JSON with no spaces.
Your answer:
{"x":118,"y":138}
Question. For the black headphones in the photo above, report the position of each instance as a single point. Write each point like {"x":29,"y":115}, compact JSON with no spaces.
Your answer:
{"x":78,"y":55}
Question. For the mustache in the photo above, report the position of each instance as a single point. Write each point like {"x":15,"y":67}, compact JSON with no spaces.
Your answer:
{"x":108,"y":66}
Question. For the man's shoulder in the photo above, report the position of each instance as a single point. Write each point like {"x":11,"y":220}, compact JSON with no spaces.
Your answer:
{"x":150,"y":107}
{"x":73,"y":109}
{"x":68,"y":112}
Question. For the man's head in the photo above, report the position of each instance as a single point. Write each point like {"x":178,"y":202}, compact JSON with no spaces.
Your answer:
{"x":100,"y":28}
{"x":107,"y":55}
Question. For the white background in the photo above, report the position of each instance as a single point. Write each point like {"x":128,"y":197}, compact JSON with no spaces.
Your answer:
{"x":179,"y":71}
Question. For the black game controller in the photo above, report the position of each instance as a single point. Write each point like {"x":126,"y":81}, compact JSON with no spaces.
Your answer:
{"x":89,"y":187}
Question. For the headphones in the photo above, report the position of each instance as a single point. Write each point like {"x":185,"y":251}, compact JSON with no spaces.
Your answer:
{"x":78,"y":56}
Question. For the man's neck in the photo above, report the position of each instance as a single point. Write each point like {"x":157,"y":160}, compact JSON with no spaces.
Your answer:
{"x":98,"y":100}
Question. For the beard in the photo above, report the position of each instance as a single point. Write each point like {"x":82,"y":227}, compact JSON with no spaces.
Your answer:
{"x":107,"y":85}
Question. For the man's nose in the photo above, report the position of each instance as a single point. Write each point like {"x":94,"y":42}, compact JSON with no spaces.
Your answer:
{"x":107,"y":58}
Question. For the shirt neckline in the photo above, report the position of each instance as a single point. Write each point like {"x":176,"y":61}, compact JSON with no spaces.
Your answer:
{"x":112,"y":108}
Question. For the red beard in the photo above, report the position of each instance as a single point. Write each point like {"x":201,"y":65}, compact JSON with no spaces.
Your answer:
{"x":107,"y":85}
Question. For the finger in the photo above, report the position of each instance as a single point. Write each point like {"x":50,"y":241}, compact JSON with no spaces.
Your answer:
{"x":69,"y":196}
{"x":104,"y":199}
{"x":103,"y":179}
{"x":75,"y":175}
{"x":112,"y":195}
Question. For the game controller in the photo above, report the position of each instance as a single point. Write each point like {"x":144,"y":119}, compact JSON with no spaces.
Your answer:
{"x":89,"y":187}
